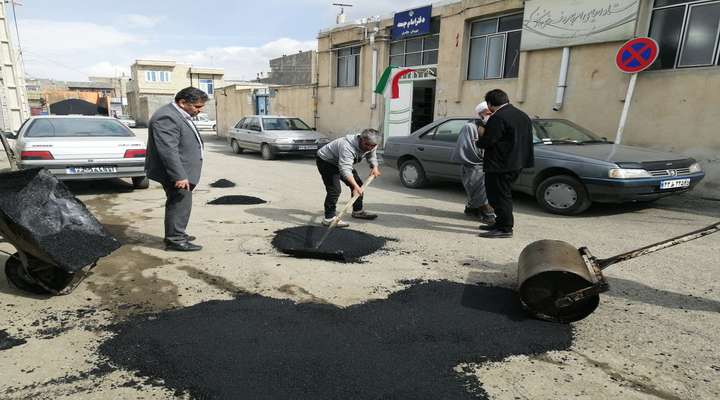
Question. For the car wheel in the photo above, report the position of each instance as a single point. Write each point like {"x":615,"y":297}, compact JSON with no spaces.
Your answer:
{"x":236,"y":147}
{"x":412,"y":174}
{"x":267,"y":152}
{"x":562,"y":194}
{"x":141,"y":182}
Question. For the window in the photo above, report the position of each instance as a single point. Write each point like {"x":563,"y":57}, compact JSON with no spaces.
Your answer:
{"x":240,"y":123}
{"x":157,"y":76}
{"x":285,"y":124}
{"x":417,"y":51}
{"x":77,"y":127}
{"x":495,"y":48}
{"x":348,"y":66}
{"x":448,"y":131}
{"x":206,"y":85}
{"x":687,"y":33}
{"x":252,"y":124}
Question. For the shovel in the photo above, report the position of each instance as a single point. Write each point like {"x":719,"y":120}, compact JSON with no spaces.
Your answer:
{"x":315,"y":252}
{"x":561,"y":283}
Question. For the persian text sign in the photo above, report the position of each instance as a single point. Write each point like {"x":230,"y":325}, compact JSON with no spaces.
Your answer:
{"x":561,"y":23}
{"x":412,"y":23}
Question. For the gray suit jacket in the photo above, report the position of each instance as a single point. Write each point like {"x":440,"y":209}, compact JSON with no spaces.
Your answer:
{"x":173,"y":151}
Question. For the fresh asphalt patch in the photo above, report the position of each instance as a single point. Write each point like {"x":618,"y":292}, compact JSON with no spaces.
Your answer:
{"x":352,"y":244}
{"x":407,"y":346}
{"x":237,"y":200}
{"x":222,"y":183}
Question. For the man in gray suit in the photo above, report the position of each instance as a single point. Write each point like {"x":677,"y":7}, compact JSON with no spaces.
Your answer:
{"x":174,"y":159}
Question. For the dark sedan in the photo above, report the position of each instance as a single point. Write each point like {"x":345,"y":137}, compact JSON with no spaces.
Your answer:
{"x":573,"y":166}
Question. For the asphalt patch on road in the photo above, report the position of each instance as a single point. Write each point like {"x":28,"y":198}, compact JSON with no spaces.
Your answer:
{"x":237,"y":199}
{"x":404,"y":347}
{"x":8,"y":342}
{"x":222,"y":183}
{"x":353,"y":244}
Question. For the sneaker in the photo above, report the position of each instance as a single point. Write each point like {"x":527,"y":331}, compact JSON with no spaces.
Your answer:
{"x":487,"y":219}
{"x":472,"y":212}
{"x":340,"y":224}
{"x":363,"y":215}
{"x":496,"y":234}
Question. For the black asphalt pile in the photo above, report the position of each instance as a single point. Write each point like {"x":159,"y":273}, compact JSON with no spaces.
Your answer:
{"x":353,"y":244}
{"x":45,"y":213}
{"x":8,"y":342}
{"x":236,"y":199}
{"x":222,"y":183}
{"x":403,"y":347}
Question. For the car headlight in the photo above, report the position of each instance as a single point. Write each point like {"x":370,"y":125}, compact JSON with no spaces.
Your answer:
{"x":283,"y":140}
{"x":695,"y":168}
{"x":628,"y":173}
{"x":323,"y":140}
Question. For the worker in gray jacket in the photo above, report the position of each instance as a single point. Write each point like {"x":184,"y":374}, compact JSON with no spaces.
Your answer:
{"x":472,"y":174}
{"x":335,"y":162}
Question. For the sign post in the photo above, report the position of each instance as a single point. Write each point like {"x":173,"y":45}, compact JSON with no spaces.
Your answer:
{"x":634,"y":56}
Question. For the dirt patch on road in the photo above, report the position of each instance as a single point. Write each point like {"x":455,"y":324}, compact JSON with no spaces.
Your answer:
{"x":406,"y":346}
{"x":237,"y":200}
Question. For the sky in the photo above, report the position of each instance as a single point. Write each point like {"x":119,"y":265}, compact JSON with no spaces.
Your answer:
{"x":75,"y":39}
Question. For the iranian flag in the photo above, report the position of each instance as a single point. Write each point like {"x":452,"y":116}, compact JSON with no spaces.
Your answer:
{"x":388,"y":84}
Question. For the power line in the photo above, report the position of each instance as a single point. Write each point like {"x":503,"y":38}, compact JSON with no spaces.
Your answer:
{"x":17,"y":33}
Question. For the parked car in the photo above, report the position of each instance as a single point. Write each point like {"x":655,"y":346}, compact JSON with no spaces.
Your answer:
{"x":573,"y":166}
{"x":76,"y":147}
{"x":272,"y":135}
{"x":126,"y":120}
{"x":204,"y":123}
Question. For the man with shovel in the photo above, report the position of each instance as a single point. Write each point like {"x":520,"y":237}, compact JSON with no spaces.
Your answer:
{"x":335,"y":162}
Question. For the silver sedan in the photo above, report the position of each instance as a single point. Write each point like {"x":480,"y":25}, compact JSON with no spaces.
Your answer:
{"x":272,"y":135}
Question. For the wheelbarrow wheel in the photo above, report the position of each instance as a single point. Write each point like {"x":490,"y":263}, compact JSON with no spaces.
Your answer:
{"x":45,"y":279}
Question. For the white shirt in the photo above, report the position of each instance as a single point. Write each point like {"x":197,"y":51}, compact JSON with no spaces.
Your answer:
{"x":188,"y":120}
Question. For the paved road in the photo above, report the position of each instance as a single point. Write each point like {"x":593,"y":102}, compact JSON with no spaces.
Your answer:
{"x":409,"y":306}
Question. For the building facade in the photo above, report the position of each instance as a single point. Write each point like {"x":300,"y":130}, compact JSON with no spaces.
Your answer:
{"x":525,"y":47}
{"x":14,"y":107}
{"x":154,"y":83}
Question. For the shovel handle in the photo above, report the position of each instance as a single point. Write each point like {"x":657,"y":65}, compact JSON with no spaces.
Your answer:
{"x":606,"y":262}
{"x":335,"y":221}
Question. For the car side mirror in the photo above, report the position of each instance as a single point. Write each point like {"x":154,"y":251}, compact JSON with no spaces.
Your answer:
{"x":10,"y":135}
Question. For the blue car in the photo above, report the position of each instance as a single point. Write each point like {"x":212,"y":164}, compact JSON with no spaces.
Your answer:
{"x":573,"y":166}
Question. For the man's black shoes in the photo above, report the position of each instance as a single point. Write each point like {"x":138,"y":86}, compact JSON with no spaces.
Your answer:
{"x":496,"y":234}
{"x":182,"y":246}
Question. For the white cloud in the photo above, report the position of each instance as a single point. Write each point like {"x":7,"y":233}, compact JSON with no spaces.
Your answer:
{"x":139,"y":21}
{"x":58,"y":37}
{"x":238,"y":62}
{"x":107,"y":69}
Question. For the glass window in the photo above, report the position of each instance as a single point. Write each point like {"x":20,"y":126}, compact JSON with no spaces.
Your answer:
{"x":252,"y":124}
{"x":413,"y":45}
{"x":397,"y":61}
{"x":430,"y":57}
{"x":284,"y":124}
{"x":207,"y":86}
{"x":431,"y":42}
{"x":348,"y":63}
{"x":495,"y":48}
{"x":397,"y":48}
{"x":687,"y":33}
{"x":240,"y":124}
{"x":698,"y":47}
{"x":449,"y":131}
{"x":413,"y":59}
{"x":476,"y":70}
{"x":561,"y":130}
{"x":417,"y":51}
{"x":77,"y":127}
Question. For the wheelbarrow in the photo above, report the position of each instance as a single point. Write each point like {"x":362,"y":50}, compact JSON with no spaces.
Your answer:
{"x":57,"y":240}
{"x":561,"y":283}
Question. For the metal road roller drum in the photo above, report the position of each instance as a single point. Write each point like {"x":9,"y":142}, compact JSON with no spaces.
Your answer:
{"x":560,"y":283}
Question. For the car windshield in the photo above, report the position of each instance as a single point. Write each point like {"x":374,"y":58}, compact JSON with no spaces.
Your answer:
{"x":562,"y":131}
{"x":77,"y":127}
{"x":284,"y":124}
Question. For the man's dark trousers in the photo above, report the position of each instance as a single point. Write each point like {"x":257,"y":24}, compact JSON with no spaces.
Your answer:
{"x":331,"y":178}
{"x":499,"y":193}
{"x":178,"y":205}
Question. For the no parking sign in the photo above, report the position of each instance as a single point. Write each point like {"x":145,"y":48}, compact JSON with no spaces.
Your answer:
{"x":636,"y":55}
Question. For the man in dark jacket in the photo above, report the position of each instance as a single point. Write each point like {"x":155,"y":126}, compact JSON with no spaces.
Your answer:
{"x":174,"y":159}
{"x":508,"y":144}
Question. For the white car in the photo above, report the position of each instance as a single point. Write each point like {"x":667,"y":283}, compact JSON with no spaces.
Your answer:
{"x":126,"y":120}
{"x":77,"y":147}
{"x":204,"y":123}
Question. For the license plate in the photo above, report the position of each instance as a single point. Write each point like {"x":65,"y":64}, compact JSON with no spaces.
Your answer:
{"x":675,"y":183}
{"x":90,"y":170}
{"x":307,"y":147}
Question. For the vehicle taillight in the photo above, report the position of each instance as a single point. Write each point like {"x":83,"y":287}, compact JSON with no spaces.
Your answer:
{"x":36,"y":155}
{"x":135,"y":153}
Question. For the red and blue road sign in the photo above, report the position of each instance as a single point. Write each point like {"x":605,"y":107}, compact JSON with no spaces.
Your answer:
{"x":636,"y":55}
